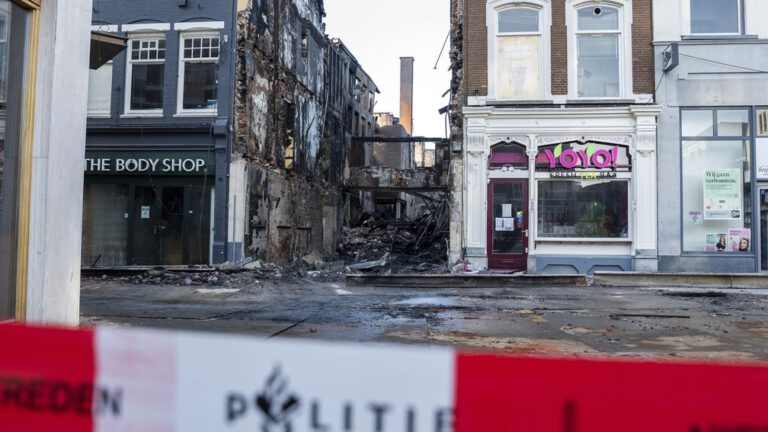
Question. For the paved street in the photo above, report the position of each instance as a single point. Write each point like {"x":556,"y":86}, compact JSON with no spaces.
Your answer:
{"x":670,"y":323}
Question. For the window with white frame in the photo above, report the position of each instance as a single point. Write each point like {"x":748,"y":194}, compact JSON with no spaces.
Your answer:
{"x":100,"y":90}
{"x":145,"y":74}
{"x":717,"y":17}
{"x":518,"y":53}
{"x":599,"y":51}
{"x":198,"y":72}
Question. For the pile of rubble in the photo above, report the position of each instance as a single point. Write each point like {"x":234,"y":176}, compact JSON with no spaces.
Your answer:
{"x":396,"y":247}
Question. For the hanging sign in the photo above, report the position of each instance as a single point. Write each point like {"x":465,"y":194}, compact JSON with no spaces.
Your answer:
{"x":722,"y":194}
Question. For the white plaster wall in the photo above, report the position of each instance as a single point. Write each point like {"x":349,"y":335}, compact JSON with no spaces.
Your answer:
{"x":53,"y":278}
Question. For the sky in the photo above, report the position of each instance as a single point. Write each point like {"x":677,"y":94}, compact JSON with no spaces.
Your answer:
{"x":379,"y":32}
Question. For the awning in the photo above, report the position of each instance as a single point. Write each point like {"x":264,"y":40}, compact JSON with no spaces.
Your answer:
{"x":104,"y":47}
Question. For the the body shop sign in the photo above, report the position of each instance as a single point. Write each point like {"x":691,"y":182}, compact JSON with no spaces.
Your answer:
{"x":590,"y":156}
{"x":149,"y":163}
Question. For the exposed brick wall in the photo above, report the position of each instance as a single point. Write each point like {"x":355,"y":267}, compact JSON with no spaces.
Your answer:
{"x":559,"y":38}
{"x":476,"y":48}
{"x":642,"y":48}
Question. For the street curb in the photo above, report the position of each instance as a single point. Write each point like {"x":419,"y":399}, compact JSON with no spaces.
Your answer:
{"x":689,"y":280}
{"x":466,"y":281}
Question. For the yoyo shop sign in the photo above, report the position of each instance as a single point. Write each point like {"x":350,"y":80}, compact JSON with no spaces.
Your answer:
{"x":588,"y":157}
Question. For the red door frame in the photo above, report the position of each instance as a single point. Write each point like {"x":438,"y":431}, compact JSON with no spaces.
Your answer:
{"x":507,"y":261}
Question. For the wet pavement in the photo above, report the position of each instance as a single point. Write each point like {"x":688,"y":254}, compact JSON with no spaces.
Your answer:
{"x":714,"y":324}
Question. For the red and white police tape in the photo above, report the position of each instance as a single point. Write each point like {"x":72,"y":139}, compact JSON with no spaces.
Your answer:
{"x":112,"y":379}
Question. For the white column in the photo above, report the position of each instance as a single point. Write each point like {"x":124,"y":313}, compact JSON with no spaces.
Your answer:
{"x":476,"y":194}
{"x":53,"y":275}
{"x":645,"y":189}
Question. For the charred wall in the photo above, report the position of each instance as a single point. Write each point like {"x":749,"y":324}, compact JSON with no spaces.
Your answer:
{"x":294,"y":203}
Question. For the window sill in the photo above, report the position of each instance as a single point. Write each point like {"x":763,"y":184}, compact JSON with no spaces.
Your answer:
{"x":583,"y":240}
{"x":719,"y":254}
{"x":717,"y":37}
{"x":130,"y":115}
{"x":513,"y":102}
{"x":99,"y":115}
{"x":196,"y":114}
{"x":601,"y":101}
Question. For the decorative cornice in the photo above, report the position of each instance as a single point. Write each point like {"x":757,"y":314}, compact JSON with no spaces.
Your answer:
{"x":497,"y":138}
{"x":624,"y":140}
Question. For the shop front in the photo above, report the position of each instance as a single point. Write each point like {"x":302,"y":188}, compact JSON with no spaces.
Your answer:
{"x":560,"y":191}
{"x":761,"y":173}
{"x":149,"y":207}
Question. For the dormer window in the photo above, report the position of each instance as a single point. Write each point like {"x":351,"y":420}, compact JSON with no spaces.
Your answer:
{"x":518,"y":50}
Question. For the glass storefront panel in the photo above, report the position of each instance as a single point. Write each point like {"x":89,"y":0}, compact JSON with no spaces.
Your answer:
{"x":717,"y":193}
{"x":13,"y":28}
{"x":583,"y":209}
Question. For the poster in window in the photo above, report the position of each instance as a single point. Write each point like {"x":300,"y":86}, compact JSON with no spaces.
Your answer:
{"x":505,"y":224}
{"x":518,"y":67}
{"x":739,"y":239}
{"x":722,"y":194}
{"x":761,"y":158}
{"x":506,"y":210}
{"x":715,"y":242}
{"x":695,"y":218}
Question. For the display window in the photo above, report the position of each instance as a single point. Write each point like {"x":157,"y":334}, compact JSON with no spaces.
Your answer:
{"x":716,"y":181}
{"x":584,"y":209}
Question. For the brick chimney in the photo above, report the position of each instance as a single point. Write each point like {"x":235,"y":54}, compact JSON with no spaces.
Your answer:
{"x":406,"y":93}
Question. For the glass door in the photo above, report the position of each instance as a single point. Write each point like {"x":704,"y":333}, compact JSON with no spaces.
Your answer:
{"x":508,"y":224}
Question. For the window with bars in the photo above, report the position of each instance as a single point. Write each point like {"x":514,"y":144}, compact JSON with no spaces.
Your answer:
{"x":146,"y":74}
{"x":198,"y":73}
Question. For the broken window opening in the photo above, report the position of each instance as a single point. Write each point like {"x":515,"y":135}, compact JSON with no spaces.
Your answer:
{"x":289,"y":153}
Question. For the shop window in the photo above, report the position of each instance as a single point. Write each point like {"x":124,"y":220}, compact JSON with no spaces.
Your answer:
{"x":145,"y":75}
{"x":508,"y":155}
{"x":717,"y":17}
{"x":13,"y":51}
{"x":198,"y":73}
{"x":583,"y":209}
{"x":518,"y":51}
{"x":598,"y":51}
{"x":717,"y":181}
{"x":100,"y":91}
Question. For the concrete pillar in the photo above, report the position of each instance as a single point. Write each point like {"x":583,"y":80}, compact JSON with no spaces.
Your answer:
{"x":53,"y":273}
{"x":645,"y":190}
{"x":406,"y":93}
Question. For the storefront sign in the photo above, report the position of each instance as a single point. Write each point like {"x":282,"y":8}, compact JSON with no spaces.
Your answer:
{"x":587,"y":158}
{"x":149,"y":162}
{"x":761,"y":156}
{"x":584,"y":175}
{"x":722,"y":194}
